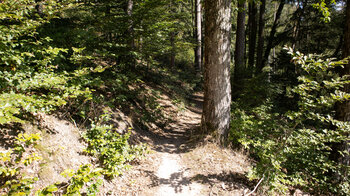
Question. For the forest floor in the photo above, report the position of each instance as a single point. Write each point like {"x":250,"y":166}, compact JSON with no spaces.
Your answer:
{"x":182,"y":162}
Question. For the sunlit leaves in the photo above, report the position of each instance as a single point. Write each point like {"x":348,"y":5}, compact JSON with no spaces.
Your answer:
{"x":294,"y":148}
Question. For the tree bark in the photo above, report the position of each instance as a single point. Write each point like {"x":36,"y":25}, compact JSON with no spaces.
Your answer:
{"x":296,"y":31}
{"x":253,"y":28}
{"x":217,"y":89}
{"x":172,"y":52}
{"x":130,"y":33}
{"x":128,"y":10}
{"x":260,"y":48}
{"x":343,"y":109}
{"x":339,"y":47}
{"x":273,"y":32}
{"x":239,"y":70}
{"x":198,"y":35}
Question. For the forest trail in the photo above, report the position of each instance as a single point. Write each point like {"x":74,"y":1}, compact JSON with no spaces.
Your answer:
{"x":179,"y":166}
{"x":168,"y":174}
{"x":172,"y":175}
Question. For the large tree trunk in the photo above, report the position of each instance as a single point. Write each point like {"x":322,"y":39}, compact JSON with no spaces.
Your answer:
{"x":253,"y":28}
{"x":343,"y":109}
{"x":217,"y":88}
{"x":198,"y":35}
{"x":239,"y":71}
{"x":260,"y":48}
{"x":273,"y":32}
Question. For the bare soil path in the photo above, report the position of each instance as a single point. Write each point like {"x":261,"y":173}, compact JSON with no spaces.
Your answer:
{"x":173,"y":175}
{"x":179,"y":166}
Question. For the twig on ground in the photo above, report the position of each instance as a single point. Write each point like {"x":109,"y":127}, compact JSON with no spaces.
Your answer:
{"x":255,"y":186}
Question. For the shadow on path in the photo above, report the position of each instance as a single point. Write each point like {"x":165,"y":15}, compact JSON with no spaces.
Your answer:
{"x":233,"y":180}
{"x":172,"y":136}
{"x":177,"y":180}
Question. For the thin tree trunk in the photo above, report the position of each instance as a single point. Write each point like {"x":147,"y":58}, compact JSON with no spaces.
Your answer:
{"x":131,"y":26}
{"x":260,"y":48}
{"x":297,"y":26}
{"x":273,"y":32}
{"x":239,"y":70}
{"x":217,"y":89}
{"x":193,"y":22}
{"x":198,"y":35}
{"x":172,"y":55}
{"x":109,"y":34}
{"x":130,"y":33}
{"x":252,"y":35}
{"x":340,"y":45}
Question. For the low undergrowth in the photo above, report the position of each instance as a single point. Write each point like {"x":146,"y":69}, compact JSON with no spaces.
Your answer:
{"x":112,"y":149}
{"x":35,"y":78}
{"x":296,"y":148}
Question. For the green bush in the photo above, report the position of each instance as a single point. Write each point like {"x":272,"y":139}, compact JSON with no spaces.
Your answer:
{"x":11,"y":163}
{"x":294,"y":148}
{"x":112,"y":149}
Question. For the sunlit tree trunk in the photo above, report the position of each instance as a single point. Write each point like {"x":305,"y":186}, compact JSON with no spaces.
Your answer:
{"x":217,"y":89}
{"x":198,"y":35}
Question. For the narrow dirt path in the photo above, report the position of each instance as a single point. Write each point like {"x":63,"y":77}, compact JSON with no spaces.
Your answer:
{"x":173,"y":176}
{"x":177,"y":165}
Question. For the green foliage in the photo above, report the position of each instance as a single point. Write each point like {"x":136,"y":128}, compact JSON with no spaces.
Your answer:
{"x":84,"y":175}
{"x":36,"y":92}
{"x":49,"y":190}
{"x":111,"y":148}
{"x":20,"y":44}
{"x":14,"y":183}
{"x":322,"y":7}
{"x":33,"y":80}
{"x":294,"y":148}
{"x":29,"y":80}
{"x":58,"y":59}
{"x":11,"y":163}
{"x":84,"y":180}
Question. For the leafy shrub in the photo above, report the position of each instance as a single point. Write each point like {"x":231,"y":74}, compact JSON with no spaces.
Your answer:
{"x":111,"y":148}
{"x":294,"y":148}
{"x":85,"y":180}
{"x":11,"y":163}
{"x":83,"y":176}
{"x":30,"y":81}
